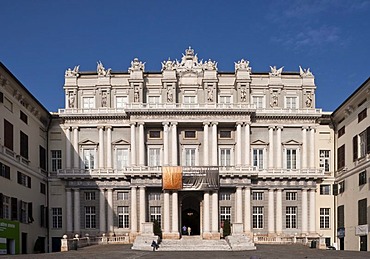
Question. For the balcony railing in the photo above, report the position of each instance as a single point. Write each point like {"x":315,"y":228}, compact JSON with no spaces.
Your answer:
{"x":229,"y":171}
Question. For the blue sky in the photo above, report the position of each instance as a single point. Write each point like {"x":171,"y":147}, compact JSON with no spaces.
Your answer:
{"x":41,"y":39}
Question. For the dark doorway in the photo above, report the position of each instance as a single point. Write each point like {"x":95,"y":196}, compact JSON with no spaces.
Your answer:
{"x":56,"y":242}
{"x":24,"y":243}
{"x":341,"y":243}
{"x":190,"y":214}
{"x":363,"y":243}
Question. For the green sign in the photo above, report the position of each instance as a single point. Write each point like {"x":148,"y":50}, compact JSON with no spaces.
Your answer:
{"x":9,"y":234}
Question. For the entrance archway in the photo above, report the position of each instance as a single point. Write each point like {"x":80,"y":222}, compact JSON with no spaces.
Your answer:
{"x":190,"y":214}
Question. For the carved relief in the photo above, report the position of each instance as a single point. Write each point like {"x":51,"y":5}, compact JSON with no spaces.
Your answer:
{"x":71,"y":100}
{"x":309,"y":100}
{"x":136,"y":94}
{"x":243,"y":95}
{"x":169,"y":95}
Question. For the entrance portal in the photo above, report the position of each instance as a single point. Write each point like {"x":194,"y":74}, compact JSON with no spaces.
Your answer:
{"x":190,"y":214}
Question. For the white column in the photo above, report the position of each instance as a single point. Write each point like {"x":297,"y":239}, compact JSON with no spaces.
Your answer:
{"x":133,"y":210}
{"x":76,"y":158}
{"x":271,"y":211}
{"x":304,"y":211}
{"x":214,"y":212}
{"x":133,"y":141}
{"x":174,"y":149}
{"x":304,"y":148}
{"x":278,"y":148}
{"x":110,"y":210}
{"x":142,"y":207}
{"x":238,"y":144}
{"x":205,"y":144}
{"x":102,"y":227}
{"x":141,"y":144}
{"x":214,"y":143}
{"x":69,"y":210}
{"x":247,"y":210}
{"x":101,"y":146}
{"x":68,"y":147}
{"x":312,"y":225}
{"x":109,"y":146}
{"x":239,"y":205}
{"x":271,"y":147}
{"x":312,"y":148}
{"x":76,"y":218}
{"x":175,"y":213}
{"x":165,"y":143}
{"x":166,"y":212}
{"x":279,"y":211}
{"x":206,"y":212}
{"x":247,"y":145}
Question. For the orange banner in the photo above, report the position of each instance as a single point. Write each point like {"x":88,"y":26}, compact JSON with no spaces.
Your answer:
{"x":172,"y":178}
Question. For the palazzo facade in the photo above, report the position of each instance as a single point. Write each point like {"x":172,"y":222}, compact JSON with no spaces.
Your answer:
{"x":272,"y":147}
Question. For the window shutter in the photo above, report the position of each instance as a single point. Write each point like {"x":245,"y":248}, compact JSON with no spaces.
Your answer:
{"x":355,"y":148}
{"x":1,"y":206}
{"x":30,"y":214}
{"x":368,"y":140}
{"x":335,"y":189}
{"x":14,"y":208}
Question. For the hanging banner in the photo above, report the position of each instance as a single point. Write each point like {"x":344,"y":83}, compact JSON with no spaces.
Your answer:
{"x":200,"y":178}
{"x":172,"y":177}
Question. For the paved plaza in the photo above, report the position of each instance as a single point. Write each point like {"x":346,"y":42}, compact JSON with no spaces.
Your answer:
{"x":263,"y":251}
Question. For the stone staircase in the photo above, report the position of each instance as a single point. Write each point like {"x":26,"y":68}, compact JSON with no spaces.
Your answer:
{"x":193,"y":243}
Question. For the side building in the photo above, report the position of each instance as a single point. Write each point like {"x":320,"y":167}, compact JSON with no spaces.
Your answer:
{"x":352,"y":141}
{"x":23,"y":168}
{"x":266,"y":150}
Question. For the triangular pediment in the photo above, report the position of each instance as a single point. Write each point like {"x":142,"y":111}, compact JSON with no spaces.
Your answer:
{"x":259,"y":142}
{"x":88,"y":142}
{"x":121,"y":142}
{"x":291,"y":142}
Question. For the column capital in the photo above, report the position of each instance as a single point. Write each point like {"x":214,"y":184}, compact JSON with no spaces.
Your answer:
{"x":247,"y":123}
{"x":75,"y":127}
{"x":239,"y":123}
{"x":214,"y":123}
{"x":305,"y":127}
{"x":174,"y":123}
{"x":108,"y":126}
{"x":206,"y":123}
{"x":66,"y":128}
{"x":68,"y":189}
{"x":132,"y":123}
{"x":271,"y":127}
{"x":279,"y":127}
{"x":100,"y":127}
{"x":141,"y":123}
{"x":165,"y":123}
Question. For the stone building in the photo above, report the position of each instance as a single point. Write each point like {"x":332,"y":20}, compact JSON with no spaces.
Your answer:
{"x":23,"y":168}
{"x":245,"y":147}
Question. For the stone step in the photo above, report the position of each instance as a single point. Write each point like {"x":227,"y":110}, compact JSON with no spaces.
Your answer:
{"x":193,"y":243}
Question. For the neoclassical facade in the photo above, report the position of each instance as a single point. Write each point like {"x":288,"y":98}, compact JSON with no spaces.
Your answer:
{"x":272,"y":149}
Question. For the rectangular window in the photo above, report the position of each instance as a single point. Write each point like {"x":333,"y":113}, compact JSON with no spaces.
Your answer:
{"x":89,"y":158}
{"x":23,"y":117}
{"x":325,"y":160}
{"x":122,"y":196}
{"x":257,"y":196}
{"x":155,"y":214}
{"x":88,"y":103}
{"x":362,"y":115}
{"x":257,"y":217}
{"x":57,"y":217}
{"x":154,"y":134}
{"x":225,"y":134}
{"x":341,"y":187}
{"x":56,"y":160}
{"x":154,"y":157}
{"x":291,"y":102}
{"x":291,"y":217}
{"x":258,"y":158}
{"x":225,"y":214}
{"x":24,"y":180}
{"x":362,"y":212}
{"x":258,"y":101}
{"x":4,"y":171}
{"x":324,"y":189}
{"x":42,"y":188}
{"x":24,"y":145}
{"x":324,"y":218}
{"x":23,"y":212}
{"x":90,"y":217}
{"x":341,"y":157}
{"x":154,"y":196}
{"x":362,"y":178}
{"x":291,"y":158}
{"x":123,"y":217}
{"x":42,"y":158}
{"x":154,"y":99}
{"x":341,"y":131}
{"x":190,"y":134}
{"x":362,"y":145}
{"x":122,"y":156}
{"x":225,"y":99}
{"x":189,"y":156}
{"x":291,"y":196}
{"x":340,"y":216}
{"x":8,"y":135}
{"x":225,"y":196}
{"x":225,"y":157}
{"x":6,"y":207}
{"x":189,"y":99}
{"x":121,"y":101}
{"x":90,"y":196}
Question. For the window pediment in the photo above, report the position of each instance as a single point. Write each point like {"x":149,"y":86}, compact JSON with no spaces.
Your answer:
{"x":88,"y":142}
{"x":121,"y":142}
{"x":292,"y":142}
{"x":259,"y":142}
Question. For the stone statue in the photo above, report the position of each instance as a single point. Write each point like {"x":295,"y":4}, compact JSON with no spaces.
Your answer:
{"x":243,"y":95}
{"x":73,"y":72}
{"x":304,"y":72}
{"x":71,"y":100}
{"x":168,"y":65}
{"x":210,"y":94}
{"x":101,"y":70}
{"x":169,"y":95}
{"x":136,"y":65}
{"x":276,"y":72}
{"x":104,"y":100}
{"x":309,"y":100}
{"x":210,"y":65}
{"x":136,"y":95}
{"x":242,"y":65}
{"x":274,"y":100}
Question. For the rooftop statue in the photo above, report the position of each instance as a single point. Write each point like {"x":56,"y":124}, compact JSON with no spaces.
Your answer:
{"x":242,"y":65}
{"x":74,"y":72}
{"x":101,"y":70}
{"x":276,"y":72}
{"x":210,"y":65}
{"x":168,"y":65}
{"x":304,"y":72}
{"x":136,"y":65}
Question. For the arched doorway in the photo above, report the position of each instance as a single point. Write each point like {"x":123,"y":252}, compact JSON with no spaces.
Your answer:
{"x":190,"y":213}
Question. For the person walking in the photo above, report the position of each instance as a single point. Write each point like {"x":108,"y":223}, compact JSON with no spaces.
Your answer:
{"x":189,"y":231}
